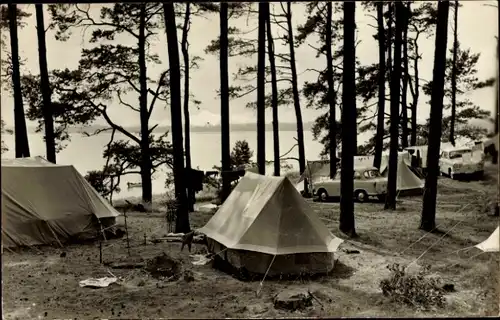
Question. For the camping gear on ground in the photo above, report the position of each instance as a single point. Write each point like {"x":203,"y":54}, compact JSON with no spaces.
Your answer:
{"x":265,"y":226}
{"x":44,"y":203}
{"x":200,"y":259}
{"x":98,"y":282}
{"x":492,"y":244}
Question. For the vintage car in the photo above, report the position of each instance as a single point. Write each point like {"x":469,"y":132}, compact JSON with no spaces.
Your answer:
{"x":456,"y":161}
{"x":367,"y":183}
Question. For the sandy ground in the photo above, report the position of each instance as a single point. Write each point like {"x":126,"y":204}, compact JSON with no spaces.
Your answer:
{"x":38,"y":283}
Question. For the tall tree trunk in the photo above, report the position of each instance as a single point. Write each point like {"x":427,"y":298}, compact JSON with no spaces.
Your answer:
{"x":20,"y":130}
{"x":274,"y":94}
{"x":390,"y":202}
{"x":50,"y":143}
{"x":428,"y":221}
{"x":404,"y":91}
{"x":379,"y":140}
{"x":187,"y":126}
{"x":331,"y":92}
{"x":182,"y":215}
{"x":346,"y":220}
{"x":147,"y":187}
{"x":389,"y":40}
{"x":415,"y":91}
{"x":224,"y":101}
{"x":261,"y":93}
{"x":497,"y":114}
{"x":454,"y":76}
{"x":295,"y":92}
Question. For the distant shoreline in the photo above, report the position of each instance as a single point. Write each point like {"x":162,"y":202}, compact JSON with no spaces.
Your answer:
{"x":251,"y":127}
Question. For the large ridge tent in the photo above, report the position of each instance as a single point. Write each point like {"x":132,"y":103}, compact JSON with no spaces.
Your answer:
{"x":492,"y":244}
{"x":407,"y":180}
{"x":45,"y":203}
{"x":265,"y":226}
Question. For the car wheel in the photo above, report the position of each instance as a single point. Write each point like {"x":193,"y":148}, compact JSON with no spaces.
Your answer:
{"x":322,"y":195}
{"x":450,"y":174}
{"x":361,"y":195}
{"x":480,"y":175}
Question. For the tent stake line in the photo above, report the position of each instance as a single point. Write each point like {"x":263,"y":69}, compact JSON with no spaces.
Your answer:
{"x":126,"y":231}
{"x":267,"y":271}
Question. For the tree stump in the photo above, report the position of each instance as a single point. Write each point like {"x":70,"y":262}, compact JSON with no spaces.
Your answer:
{"x":293,"y":300}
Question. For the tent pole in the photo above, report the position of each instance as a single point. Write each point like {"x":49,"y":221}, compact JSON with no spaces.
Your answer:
{"x":55,"y":236}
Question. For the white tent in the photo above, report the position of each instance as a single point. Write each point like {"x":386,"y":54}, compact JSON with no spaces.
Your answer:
{"x":491,"y":244}
{"x":406,"y":179}
{"x":45,"y":203}
{"x":266,"y":224}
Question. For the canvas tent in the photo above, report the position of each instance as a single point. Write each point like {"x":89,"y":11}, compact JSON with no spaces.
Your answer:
{"x":45,"y":203}
{"x":491,"y":244}
{"x":407,"y":180}
{"x":266,"y":226}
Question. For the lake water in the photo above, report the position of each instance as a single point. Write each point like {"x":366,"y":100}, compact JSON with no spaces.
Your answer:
{"x":85,"y":153}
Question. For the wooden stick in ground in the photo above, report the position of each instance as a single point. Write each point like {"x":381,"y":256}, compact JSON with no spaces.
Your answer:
{"x":126,"y":231}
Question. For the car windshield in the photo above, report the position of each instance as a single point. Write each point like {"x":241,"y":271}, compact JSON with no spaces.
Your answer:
{"x":369,"y":174}
{"x":459,"y":153}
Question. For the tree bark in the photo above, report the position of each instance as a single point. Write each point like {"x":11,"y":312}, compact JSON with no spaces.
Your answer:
{"x":497,"y":114}
{"x":416,"y":90}
{"x":295,"y":92}
{"x":404,"y":89}
{"x":224,"y":101}
{"x":20,"y":130}
{"x":147,"y":187}
{"x":261,"y":93}
{"x":454,"y":76}
{"x":50,"y":143}
{"x":187,"y":126}
{"x":379,"y":140}
{"x":182,"y":215}
{"x":274,"y":94}
{"x":390,"y":202}
{"x":428,"y":220}
{"x":389,"y":40}
{"x":346,"y":220}
{"x":331,"y":92}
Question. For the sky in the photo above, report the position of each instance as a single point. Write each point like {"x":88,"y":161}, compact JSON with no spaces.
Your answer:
{"x":477,"y":30}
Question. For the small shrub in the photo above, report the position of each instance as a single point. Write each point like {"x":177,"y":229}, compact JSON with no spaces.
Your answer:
{"x":420,"y":290}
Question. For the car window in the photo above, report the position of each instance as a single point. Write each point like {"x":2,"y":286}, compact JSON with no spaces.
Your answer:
{"x":368,"y":174}
{"x":459,"y":153}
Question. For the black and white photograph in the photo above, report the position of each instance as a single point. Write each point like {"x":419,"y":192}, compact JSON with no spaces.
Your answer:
{"x":280,"y":159}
